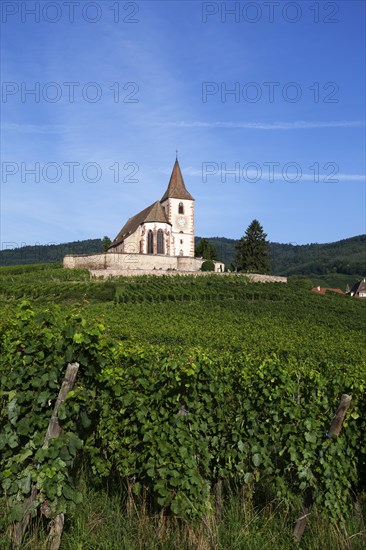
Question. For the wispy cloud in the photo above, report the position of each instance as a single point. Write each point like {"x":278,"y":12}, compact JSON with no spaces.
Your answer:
{"x":192,"y":172}
{"x":295,"y":125}
{"x":35,"y":128}
{"x":346,"y":177}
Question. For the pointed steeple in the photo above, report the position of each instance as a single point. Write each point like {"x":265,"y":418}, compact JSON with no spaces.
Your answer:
{"x":176,"y":188}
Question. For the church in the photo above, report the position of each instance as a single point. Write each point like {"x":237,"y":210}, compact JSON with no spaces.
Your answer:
{"x":158,"y":239}
{"x":166,"y":227}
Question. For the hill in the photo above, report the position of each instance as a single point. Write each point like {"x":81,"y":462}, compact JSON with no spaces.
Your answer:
{"x":329,"y":264}
{"x":48,"y":253}
{"x":317,"y":261}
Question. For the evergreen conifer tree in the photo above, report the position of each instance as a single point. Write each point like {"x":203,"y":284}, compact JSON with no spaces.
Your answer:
{"x":252,"y":251}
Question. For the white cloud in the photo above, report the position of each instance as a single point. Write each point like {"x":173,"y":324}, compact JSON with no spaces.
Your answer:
{"x":295,"y":125}
{"x":35,"y":128}
{"x":190,"y":171}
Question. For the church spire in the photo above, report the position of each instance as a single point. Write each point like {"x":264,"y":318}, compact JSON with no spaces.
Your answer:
{"x":176,"y":188}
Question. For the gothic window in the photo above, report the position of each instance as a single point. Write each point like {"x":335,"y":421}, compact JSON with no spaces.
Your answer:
{"x":181,"y":253}
{"x":150,"y":242}
{"x":160,"y":242}
{"x":180,"y":208}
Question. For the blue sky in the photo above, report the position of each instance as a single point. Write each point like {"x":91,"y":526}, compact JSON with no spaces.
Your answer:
{"x":156,"y":77}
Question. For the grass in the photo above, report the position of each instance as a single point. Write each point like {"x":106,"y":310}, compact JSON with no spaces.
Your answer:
{"x":102,"y":522}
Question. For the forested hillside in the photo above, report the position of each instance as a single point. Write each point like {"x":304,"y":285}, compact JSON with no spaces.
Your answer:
{"x":45,"y":253}
{"x":347,"y":256}
{"x":330,"y":264}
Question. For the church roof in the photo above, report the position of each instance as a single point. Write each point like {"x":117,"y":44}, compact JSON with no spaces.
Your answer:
{"x":153,"y":213}
{"x":358,"y":287}
{"x":176,"y":188}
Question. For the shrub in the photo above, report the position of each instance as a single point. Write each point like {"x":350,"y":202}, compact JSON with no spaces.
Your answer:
{"x":208,"y":265}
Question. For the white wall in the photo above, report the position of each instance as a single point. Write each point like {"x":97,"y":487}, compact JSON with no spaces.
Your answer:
{"x":168,"y":237}
{"x":181,"y":233}
{"x":131,"y":244}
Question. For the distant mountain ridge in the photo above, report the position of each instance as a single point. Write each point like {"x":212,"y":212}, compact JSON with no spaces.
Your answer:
{"x":45,"y":253}
{"x":347,"y":256}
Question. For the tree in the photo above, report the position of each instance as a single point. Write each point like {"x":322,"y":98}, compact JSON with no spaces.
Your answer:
{"x":252,"y":250}
{"x":106,"y":243}
{"x":208,"y":265}
{"x":206,"y":250}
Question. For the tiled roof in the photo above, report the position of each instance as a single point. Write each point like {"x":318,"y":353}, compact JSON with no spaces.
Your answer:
{"x":153,"y":213}
{"x":176,"y":188}
{"x":324,"y":290}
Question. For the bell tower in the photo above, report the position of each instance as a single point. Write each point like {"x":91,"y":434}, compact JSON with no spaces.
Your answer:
{"x":178,"y":204}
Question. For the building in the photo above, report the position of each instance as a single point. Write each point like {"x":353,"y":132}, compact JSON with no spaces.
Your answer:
{"x":160,"y":238}
{"x":359,"y":289}
{"x":165,"y":228}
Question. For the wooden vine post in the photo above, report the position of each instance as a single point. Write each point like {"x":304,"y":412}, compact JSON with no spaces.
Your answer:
{"x":334,"y":431}
{"x":218,"y":499}
{"x":53,"y":431}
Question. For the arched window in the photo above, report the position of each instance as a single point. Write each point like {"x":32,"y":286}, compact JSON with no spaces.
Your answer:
{"x":160,"y":242}
{"x":180,"y":208}
{"x":150,"y":242}
{"x":181,"y":253}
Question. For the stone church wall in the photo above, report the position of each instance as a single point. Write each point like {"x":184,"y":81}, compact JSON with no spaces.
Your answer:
{"x":135,"y":262}
{"x":131,"y":244}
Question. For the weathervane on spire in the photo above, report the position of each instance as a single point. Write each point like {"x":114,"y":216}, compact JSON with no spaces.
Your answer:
{"x":176,"y":154}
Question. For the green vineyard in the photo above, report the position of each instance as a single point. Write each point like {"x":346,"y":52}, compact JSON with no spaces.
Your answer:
{"x":190,"y":390}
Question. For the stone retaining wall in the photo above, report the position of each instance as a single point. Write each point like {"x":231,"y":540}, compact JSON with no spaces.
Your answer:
{"x":257,"y":278}
{"x":135,"y":263}
{"x":254,"y":277}
{"x":119,"y":264}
